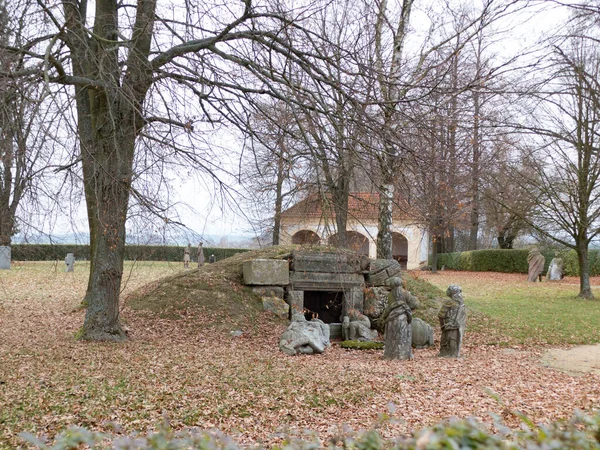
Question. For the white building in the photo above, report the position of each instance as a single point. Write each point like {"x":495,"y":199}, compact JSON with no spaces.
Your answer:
{"x":308,"y":223}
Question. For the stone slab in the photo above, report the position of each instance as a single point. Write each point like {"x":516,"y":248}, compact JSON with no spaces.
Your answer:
{"x":326,"y":262}
{"x":266,"y":272}
{"x":315,"y":281}
{"x":335,"y":330}
{"x":5,"y":257}
{"x":296,"y":301}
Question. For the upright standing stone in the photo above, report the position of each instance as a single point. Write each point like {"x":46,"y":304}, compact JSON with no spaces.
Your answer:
{"x":536,"y":265}
{"x":70,"y":262}
{"x":397,"y":319}
{"x":453,"y":319}
{"x":556,"y":269}
{"x":212,"y":259}
{"x":4,"y":257}
{"x":186,"y":256}
{"x":200,"y":255}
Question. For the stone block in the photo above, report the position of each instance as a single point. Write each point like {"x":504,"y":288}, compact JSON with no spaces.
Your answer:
{"x":335,"y":330}
{"x":4,"y":257}
{"x":266,"y":272}
{"x":315,"y":281}
{"x":296,"y":300}
{"x":276,"y":306}
{"x":269,"y":291}
{"x":326,"y":263}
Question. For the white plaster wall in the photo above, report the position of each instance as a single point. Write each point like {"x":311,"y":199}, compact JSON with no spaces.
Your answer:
{"x":418,"y":243}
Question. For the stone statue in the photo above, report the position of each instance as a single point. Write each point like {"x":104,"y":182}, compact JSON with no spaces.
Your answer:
{"x":356,"y":327}
{"x":186,"y":256}
{"x":397,"y":319}
{"x":212,"y":259}
{"x":422,"y":333}
{"x":453,"y":319}
{"x":70,"y":262}
{"x":304,"y":337}
{"x":536,"y":265}
{"x":200,"y":255}
{"x":556,"y":268}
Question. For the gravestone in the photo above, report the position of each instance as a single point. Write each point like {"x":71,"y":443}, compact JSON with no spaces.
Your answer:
{"x":4,"y":257}
{"x":70,"y":262}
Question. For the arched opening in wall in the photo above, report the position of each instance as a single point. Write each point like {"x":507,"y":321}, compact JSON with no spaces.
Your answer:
{"x":306,"y":237}
{"x":356,"y":241}
{"x":400,"y":249}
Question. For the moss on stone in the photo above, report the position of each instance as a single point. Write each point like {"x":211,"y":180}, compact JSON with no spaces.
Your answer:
{"x":360,"y":345}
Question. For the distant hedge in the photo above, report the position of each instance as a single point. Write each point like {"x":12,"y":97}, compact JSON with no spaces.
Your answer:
{"x":31,"y":252}
{"x":512,"y":261}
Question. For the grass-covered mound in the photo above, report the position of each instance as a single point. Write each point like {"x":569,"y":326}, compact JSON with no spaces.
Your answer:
{"x":217,"y":289}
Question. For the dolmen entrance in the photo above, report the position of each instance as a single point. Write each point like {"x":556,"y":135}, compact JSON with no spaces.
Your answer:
{"x":339,"y":295}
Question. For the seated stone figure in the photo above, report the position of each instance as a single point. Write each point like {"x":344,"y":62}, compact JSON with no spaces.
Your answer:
{"x":356,"y":327}
{"x":397,"y":319}
{"x":453,"y":319}
{"x":304,"y":337}
{"x":556,"y":268}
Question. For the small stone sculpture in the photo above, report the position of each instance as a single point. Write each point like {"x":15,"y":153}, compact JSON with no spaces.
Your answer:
{"x":453,"y":318}
{"x":70,"y":262}
{"x":422,"y":333}
{"x":536,"y":265}
{"x":397,"y":319}
{"x":304,"y":337}
{"x":200,"y":255}
{"x":556,"y":268}
{"x":186,"y":256}
{"x":356,"y":327}
{"x":212,"y":259}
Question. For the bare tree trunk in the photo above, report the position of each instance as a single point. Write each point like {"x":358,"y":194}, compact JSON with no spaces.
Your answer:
{"x":475,"y":171}
{"x":585,"y":290}
{"x":384,"y":233}
{"x":434,"y":253}
{"x":278,"y":199}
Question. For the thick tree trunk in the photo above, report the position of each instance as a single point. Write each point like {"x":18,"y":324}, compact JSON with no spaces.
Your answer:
{"x":384,"y":232}
{"x":585,"y":290}
{"x":340,"y":205}
{"x":434,"y":253}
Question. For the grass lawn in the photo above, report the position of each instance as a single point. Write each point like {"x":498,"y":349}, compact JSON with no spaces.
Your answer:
{"x":518,"y":312}
{"x":183,"y":363}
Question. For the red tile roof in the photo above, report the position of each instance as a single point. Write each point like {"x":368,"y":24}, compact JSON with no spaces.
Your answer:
{"x":361,"y":205}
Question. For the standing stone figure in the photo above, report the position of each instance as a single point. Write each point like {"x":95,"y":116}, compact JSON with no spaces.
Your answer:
{"x":453,"y":319}
{"x":397,"y":318}
{"x":186,"y":256}
{"x":536,"y":265}
{"x":556,"y":268}
{"x":70,"y":262}
{"x":200,"y":255}
{"x":212,"y":259}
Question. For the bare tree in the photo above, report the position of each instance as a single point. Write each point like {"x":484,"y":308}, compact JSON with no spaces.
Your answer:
{"x":564,"y":184}
{"x":137,"y":75}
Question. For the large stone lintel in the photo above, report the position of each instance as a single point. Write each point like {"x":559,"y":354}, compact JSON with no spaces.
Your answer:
{"x":327,"y":263}
{"x":314,"y":281}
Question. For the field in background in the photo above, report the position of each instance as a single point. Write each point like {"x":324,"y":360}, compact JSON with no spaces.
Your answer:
{"x":519,"y":312}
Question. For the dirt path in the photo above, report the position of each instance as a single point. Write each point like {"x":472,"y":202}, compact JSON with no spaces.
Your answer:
{"x":575,"y":360}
